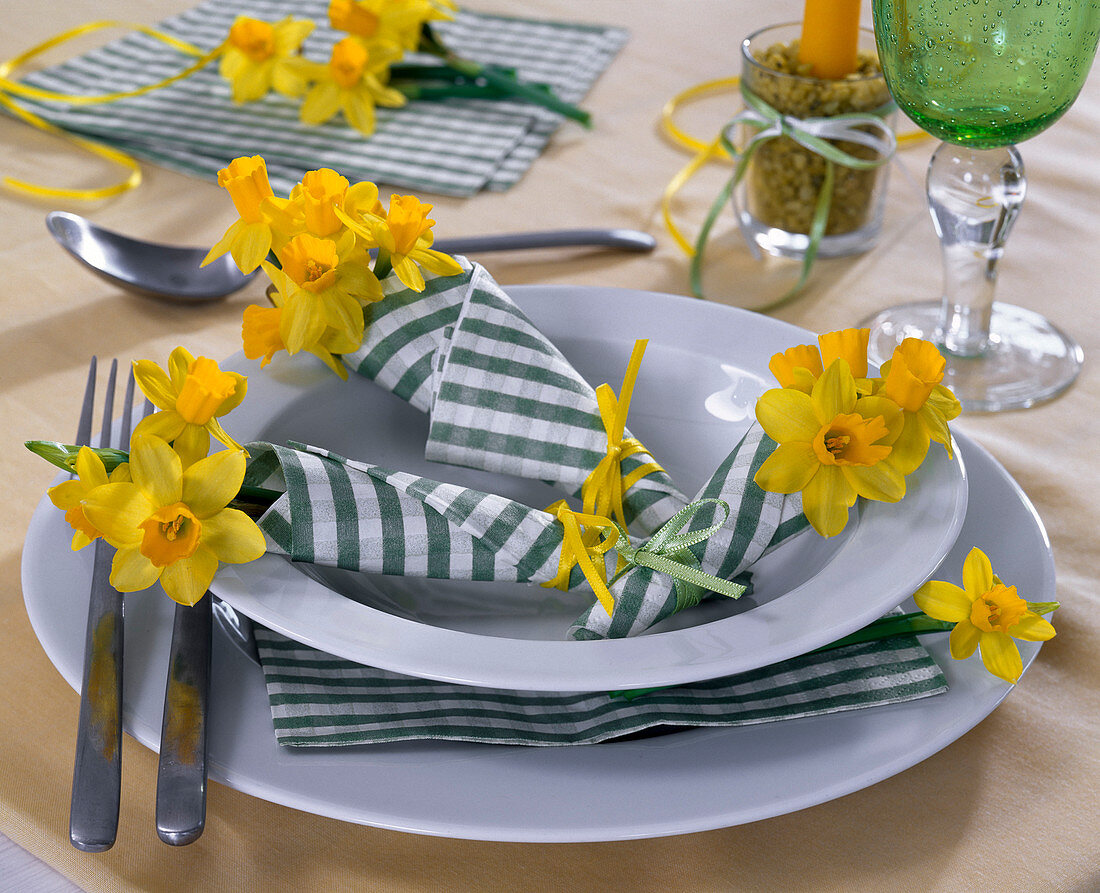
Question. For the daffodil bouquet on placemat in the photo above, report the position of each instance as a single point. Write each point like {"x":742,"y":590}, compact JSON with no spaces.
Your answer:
{"x":421,"y":94}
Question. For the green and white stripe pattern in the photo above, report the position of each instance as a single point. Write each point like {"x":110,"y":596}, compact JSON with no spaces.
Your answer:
{"x":320,"y":700}
{"x":502,"y":398}
{"x":365,"y":518}
{"x":758,"y":521}
{"x":451,"y":147}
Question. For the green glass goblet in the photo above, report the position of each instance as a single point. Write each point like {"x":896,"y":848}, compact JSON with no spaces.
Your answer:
{"x":982,"y":75}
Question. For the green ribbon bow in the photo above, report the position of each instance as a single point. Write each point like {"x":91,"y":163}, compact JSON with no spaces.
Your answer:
{"x":813,"y":134}
{"x":669,"y":552}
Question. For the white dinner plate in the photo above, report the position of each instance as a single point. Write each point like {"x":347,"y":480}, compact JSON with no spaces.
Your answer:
{"x":686,"y":781}
{"x":705,"y":366}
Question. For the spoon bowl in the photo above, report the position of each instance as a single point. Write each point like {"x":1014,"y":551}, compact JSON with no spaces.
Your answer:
{"x":173,"y":273}
{"x":156,"y":271}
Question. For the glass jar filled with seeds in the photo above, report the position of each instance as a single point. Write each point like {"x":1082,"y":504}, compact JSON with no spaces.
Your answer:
{"x":779,"y":195}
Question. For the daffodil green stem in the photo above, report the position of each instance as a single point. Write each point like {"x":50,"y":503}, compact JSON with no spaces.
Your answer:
{"x":501,"y":79}
{"x":888,"y":627}
{"x":382,"y":265}
{"x":434,"y":91}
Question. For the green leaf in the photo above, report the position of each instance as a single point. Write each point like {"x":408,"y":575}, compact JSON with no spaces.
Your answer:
{"x":63,"y":455}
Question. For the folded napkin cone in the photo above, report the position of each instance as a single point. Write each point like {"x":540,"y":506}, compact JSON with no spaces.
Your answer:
{"x":501,"y":396}
{"x":363,"y":517}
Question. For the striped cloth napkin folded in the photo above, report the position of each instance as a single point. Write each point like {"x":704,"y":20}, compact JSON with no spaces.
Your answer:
{"x":451,"y":147}
{"x":362,"y":517}
{"x":501,"y":396}
{"x":319,"y":700}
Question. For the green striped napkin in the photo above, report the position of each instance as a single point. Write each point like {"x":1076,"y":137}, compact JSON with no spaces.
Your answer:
{"x":319,"y":700}
{"x":501,"y":396}
{"x":451,"y":147}
{"x":365,"y":518}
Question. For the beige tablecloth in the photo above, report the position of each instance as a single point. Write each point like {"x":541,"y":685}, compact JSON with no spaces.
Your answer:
{"x":1012,"y":805}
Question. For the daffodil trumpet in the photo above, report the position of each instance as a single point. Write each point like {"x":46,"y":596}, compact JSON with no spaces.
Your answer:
{"x":251,"y":500}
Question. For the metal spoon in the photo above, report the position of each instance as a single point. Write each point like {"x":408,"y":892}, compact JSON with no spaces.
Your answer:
{"x":173,"y":273}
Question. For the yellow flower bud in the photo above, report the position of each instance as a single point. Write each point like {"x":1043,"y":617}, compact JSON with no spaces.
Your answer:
{"x":348,"y":62}
{"x":320,"y":192}
{"x":915,"y":369}
{"x":849,"y":345}
{"x":347,"y":15}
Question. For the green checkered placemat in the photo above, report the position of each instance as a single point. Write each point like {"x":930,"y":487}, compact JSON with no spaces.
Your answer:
{"x":451,"y":147}
{"x":319,"y":700}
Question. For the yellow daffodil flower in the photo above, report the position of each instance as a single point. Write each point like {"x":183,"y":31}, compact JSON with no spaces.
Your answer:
{"x":321,"y":285}
{"x":797,"y":367}
{"x":172,"y":524}
{"x":260,"y":57}
{"x":848,"y":344}
{"x":353,"y":82}
{"x":262,"y":337}
{"x":987,"y":615}
{"x":405,"y":234}
{"x":69,"y":495}
{"x":260,"y":332}
{"x":191,"y":396}
{"x":800,"y":366}
{"x":258,"y":230}
{"x":833,"y":446}
{"x":396,"y":21}
{"x":315,"y":205}
{"x":318,"y":194}
{"x":912,"y":378}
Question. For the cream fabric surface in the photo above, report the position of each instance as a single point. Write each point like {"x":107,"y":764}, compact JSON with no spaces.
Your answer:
{"x":1013,"y":805}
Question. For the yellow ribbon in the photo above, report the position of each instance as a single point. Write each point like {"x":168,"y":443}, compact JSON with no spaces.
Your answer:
{"x":587,"y":539}
{"x":585,"y":548}
{"x":9,"y":88}
{"x":603,"y":489}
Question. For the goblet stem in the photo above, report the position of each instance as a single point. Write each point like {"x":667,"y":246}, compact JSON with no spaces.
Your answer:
{"x":998,"y":356}
{"x":974,"y":196}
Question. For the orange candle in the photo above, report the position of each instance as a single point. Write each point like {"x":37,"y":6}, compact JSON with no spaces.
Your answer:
{"x":830,"y":34}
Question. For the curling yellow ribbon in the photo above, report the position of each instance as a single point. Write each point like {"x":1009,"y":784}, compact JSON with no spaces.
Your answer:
{"x":707,"y":152}
{"x":603,"y":489}
{"x":9,"y":88}
{"x":667,"y":552}
{"x":584,"y":547}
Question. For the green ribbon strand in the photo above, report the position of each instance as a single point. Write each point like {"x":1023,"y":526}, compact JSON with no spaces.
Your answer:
{"x":668,"y":551}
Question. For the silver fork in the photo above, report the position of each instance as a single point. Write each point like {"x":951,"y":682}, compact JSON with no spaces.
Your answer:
{"x":97,"y":772}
